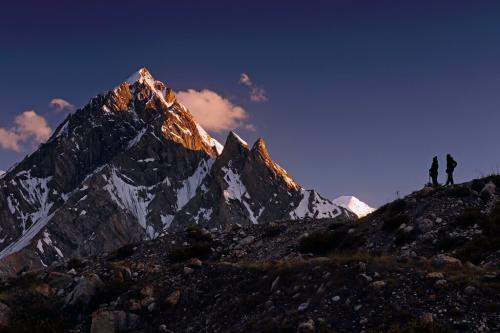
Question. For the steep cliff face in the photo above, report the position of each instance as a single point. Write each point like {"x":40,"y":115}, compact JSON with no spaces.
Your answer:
{"x":130,"y":165}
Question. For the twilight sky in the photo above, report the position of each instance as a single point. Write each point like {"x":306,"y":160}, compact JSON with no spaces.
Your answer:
{"x":352,"y":97}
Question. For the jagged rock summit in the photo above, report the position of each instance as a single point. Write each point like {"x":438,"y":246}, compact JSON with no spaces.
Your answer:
{"x":355,"y":205}
{"x":130,"y":165}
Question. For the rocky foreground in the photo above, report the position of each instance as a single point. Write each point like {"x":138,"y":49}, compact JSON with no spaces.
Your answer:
{"x":425,"y":263}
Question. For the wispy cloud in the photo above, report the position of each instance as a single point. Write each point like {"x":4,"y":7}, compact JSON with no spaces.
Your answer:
{"x":28,"y":128}
{"x":61,"y":105}
{"x":213,"y":111}
{"x":257,"y":94}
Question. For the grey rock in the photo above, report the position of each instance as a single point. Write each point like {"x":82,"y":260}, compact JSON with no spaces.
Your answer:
{"x":306,"y":327}
{"x":303,"y":306}
{"x":470,"y":290}
{"x":247,"y":241}
{"x":425,"y":225}
{"x":5,"y":316}
{"x":85,"y":290}
{"x":104,"y":321}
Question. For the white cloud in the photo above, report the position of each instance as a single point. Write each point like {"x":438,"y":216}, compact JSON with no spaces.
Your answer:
{"x":29,"y":127}
{"x":60,"y":104}
{"x":213,"y":111}
{"x":257,"y":94}
{"x":245,"y":79}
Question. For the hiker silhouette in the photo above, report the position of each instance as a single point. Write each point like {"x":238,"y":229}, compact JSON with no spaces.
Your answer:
{"x":451,"y":164}
{"x":433,"y":171}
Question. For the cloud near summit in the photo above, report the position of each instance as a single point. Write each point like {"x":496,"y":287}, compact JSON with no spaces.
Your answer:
{"x":257,"y":94}
{"x":214,"y":112}
{"x":60,"y":104}
{"x":28,"y":128}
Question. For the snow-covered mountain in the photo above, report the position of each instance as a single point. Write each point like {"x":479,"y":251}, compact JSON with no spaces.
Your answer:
{"x":131,"y":165}
{"x":355,"y":205}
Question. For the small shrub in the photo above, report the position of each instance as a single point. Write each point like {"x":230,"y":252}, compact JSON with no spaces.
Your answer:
{"x":24,"y":281}
{"x":449,"y":243}
{"x":495,"y":179}
{"x":326,"y":242}
{"x":396,"y":207}
{"x":403,"y":237}
{"x":459,"y":191}
{"x":274,"y":229}
{"x":183,"y":253}
{"x":38,"y":314}
{"x":110,"y":292}
{"x":477,"y":185}
{"x":478,"y":249}
{"x":392,"y":223}
{"x":75,"y":263}
{"x":418,"y":326}
{"x":469,"y":217}
{"x":319,"y":242}
{"x":122,"y":253}
{"x":199,"y":234}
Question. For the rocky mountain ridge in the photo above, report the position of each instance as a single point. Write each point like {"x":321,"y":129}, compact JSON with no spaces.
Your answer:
{"x":131,"y":165}
{"x":335,"y":275}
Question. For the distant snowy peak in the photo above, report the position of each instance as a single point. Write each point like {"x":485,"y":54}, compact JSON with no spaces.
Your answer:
{"x":355,"y":205}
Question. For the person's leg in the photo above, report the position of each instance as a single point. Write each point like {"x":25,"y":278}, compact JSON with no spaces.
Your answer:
{"x":434,"y":180}
{"x":451,"y":179}
{"x":448,"y":180}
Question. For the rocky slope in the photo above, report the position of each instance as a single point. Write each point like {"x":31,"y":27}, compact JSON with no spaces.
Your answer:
{"x":462,"y":221}
{"x":131,"y":165}
{"x":323,"y":276}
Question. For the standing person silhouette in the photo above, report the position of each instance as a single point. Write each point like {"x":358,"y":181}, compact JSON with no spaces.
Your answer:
{"x":433,"y":171}
{"x":451,"y":164}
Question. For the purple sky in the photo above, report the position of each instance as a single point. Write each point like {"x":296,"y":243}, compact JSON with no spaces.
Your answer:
{"x":359,"y":94}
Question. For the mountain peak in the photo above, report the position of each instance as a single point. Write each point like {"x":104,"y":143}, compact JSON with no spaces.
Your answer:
{"x":260,"y":147}
{"x":140,"y":76}
{"x":355,"y":205}
{"x":143,"y":77}
{"x":233,"y":136}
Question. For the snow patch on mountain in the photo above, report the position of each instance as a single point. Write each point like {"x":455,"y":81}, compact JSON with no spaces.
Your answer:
{"x":166,"y":220}
{"x":235,"y":189}
{"x":240,"y":139}
{"x":191,"y":184}
{"x":353,"y":204}
{"x":136,"y":139}
{"x":211,"y":142}
{"x":312,"y":205}
{"x":134,"y":199}
{"x":204,"y":214}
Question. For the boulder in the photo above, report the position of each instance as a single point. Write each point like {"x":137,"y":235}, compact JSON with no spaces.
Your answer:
{"x":425,"y":225}
{"x":247,"y":241}
{"x":427,"y":318}
{"x":104,"y":321}
{"x":5,"y":316}
{"x":435,"y":275}
{"x":85,"y":290}
{"x":488,"y":190}
{"x":378,"y":284}
{"x":195,"y":262}
{"x":173,"y":298}
{"x":442,"y":260}
{"x":306,"y":327}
